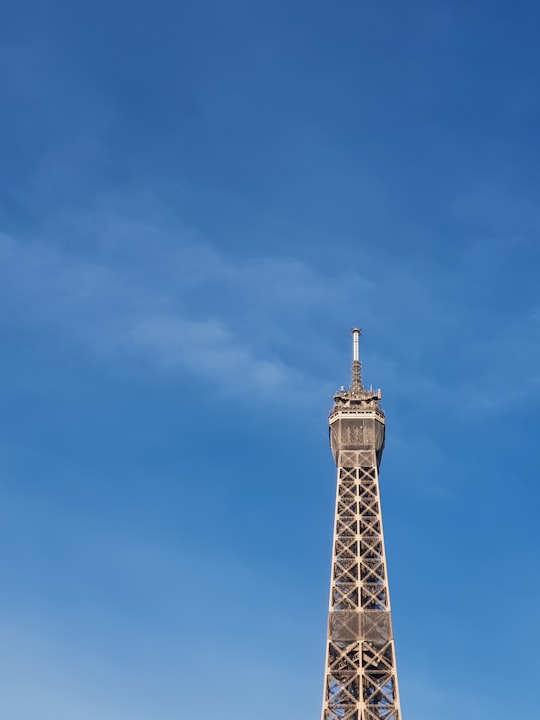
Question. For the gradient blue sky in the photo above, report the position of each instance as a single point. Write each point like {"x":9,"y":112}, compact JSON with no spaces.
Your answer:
{"x":197,"y":202}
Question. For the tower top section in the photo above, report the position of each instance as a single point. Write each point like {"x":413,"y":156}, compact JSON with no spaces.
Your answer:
{"x":356,"y":399}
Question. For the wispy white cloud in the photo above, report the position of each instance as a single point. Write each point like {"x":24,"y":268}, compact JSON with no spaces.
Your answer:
{"x":173,"y":300}
{"x":174,"y":320}
{"x":208,"y":350}
{"x":510,"y":361}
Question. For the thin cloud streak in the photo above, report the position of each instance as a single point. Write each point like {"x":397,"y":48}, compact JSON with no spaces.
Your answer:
{"x":114,"y":315}
{"x":182,"y":306}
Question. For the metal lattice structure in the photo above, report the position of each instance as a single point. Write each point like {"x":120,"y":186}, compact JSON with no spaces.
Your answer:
{"x":360,"y":674}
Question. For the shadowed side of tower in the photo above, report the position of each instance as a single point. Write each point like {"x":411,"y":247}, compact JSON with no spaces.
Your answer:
{"x":360,"y":672}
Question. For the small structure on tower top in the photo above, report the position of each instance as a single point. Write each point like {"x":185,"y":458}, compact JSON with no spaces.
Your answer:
{"x":356,"y":395}
{"x":356,"y":374}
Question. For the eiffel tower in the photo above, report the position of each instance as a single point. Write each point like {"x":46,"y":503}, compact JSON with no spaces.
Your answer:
{"x":360,"y":680}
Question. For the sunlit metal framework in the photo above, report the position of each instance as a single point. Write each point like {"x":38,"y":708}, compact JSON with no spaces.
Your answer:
{"x":360,"y":673}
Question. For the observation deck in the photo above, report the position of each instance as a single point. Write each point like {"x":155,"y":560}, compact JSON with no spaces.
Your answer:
{"x":363,"y":402}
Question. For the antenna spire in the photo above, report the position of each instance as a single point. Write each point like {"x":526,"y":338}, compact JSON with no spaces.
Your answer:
{"x":356,"y":373}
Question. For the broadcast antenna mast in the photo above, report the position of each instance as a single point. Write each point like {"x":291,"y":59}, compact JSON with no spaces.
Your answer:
{"x":360,"y":680}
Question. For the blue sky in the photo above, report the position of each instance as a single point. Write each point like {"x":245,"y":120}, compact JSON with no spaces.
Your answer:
{"x":198,"y":200}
